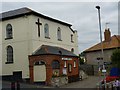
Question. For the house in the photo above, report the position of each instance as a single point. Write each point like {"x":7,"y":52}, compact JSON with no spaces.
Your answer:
{"x":27,"y":37}
{"x":93,"y":54}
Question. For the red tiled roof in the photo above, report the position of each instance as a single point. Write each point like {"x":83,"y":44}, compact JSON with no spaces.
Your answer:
{"x":113,"y":43}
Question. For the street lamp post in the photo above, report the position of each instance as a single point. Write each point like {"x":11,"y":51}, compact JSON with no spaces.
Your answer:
{"x":98,"y":7}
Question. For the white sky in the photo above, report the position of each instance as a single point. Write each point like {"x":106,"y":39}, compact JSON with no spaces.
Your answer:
{"x":82,"y":15}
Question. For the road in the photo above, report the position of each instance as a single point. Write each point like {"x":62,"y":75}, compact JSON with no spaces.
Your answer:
{"x":90,"y":82}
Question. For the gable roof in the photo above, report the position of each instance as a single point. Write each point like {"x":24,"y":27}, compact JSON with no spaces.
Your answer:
{"x":113,"y":43}
{"x":26,"y":11}
{"x":53,"y":50}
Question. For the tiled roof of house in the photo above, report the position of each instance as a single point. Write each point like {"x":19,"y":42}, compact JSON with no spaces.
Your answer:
{"x":53,"y":50}
{"x":114,"y":42}
{"x":26,"y":11}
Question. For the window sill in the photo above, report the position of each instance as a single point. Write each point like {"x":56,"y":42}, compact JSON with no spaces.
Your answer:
{"x":55,"y":68}
{"x":47,"y":37}
{"x":59,"y":40}
{"x":8,"y":62}
{"x":8,"y":38}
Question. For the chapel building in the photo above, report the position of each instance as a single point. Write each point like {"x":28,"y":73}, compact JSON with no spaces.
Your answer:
{"x":36,"y":47}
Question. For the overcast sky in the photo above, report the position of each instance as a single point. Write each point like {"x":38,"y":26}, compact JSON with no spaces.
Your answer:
{"x":82,"y":15}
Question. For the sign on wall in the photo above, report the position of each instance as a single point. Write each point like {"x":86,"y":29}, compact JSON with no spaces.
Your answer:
{"x":64,"y":71}
{"x":66,"y":58}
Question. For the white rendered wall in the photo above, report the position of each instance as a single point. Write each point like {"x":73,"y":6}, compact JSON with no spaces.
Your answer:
{"x":20,"y":47}
{"x":0,"y":49}
{"x":65,"y":35}
{"x":25,"y":41}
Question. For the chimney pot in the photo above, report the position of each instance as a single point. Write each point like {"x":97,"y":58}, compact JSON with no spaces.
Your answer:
{"x":107,"y":35}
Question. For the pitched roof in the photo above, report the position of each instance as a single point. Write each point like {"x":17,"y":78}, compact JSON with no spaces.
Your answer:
{"x":113,"y":43}
{"x":48,"y":50}
{"x":26,"y":11}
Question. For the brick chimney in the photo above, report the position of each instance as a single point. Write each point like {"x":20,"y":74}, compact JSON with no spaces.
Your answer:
{"x":107,"y":35}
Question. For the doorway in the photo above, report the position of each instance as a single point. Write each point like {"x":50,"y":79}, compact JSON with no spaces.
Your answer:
{"x":39,"y":71}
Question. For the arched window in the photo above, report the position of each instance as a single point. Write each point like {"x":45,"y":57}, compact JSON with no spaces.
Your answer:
{"x":55,"y":64}
{"x":9,"y":54}
{"x":9,"y":31}
{"x":72,"y":50}
{"x":59,"y":33}
{"x":39,"y":63}
{"x":72,"y":38}
{"x":46,"y":30}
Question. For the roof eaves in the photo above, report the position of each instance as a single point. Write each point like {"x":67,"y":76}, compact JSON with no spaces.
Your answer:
{"x":28,"y":11}
{"x":52,"y":19}
{"x":54,"y":54}
{"x":87,"y":51}
{"x":15,"y":16}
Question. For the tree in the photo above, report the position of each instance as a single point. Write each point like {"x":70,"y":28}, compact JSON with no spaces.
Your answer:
{"x":115,"y":58}
{"x":81,"y":58}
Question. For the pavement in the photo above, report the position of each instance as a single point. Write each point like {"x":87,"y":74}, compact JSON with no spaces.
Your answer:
{"x":90,"y":82}
{"x":7,"y":85}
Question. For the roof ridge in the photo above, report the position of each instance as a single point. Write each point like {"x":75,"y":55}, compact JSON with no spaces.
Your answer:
{"x":17,"y":9}
{"x":117,"y":38}
{"x":47,"y":49}
{"x":97,"y":46}
{"x":25,"y":10}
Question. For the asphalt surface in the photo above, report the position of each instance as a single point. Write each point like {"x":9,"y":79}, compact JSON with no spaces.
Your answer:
{"x":90,"y":82}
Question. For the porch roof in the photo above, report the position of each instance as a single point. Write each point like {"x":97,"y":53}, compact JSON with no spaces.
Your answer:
{"x":49,"y":50}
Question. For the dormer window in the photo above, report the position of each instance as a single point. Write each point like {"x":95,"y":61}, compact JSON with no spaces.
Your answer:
{"x":9,"y":31}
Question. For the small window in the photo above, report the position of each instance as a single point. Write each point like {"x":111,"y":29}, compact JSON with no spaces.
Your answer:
{"x":65,"y":64}
{"x":74,"y":63}
{"x":9,"y":54}
{"x":59,"y":33}
{"x":70,"y":68}
{"x":9,"y":34}
{"x":46,"y":30}
{"x":55,"y":64}
{"x":72,"y":38}
{"x":72,"y":50}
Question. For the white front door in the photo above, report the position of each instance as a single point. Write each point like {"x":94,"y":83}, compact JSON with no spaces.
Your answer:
{"x":39,"y":73}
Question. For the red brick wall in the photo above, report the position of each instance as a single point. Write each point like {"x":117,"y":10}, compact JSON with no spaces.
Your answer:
{"x":48,"y":60}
